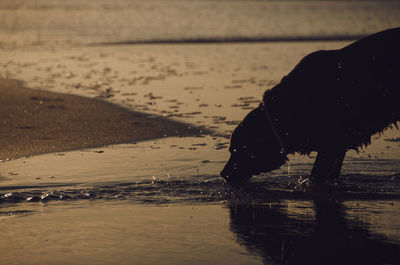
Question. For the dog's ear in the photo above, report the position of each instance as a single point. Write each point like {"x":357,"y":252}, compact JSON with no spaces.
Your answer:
{"x":255,"y":122}
{"x":250,"y":132}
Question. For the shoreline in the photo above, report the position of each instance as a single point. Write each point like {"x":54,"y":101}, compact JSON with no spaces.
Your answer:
{"x":36,"y":121}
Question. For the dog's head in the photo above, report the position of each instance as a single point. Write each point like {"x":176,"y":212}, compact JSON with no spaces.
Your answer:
{"x":254,"y":148}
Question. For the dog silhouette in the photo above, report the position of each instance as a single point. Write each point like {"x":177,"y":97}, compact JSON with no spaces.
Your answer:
{"x":332,"y":101}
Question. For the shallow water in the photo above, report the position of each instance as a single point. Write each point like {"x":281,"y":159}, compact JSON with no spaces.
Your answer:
{"x":273,"y":220}
{"x":162,"y":201}
{"x":133,"y":203}
{"x":121,"y":233}
{"x":288,"y":231}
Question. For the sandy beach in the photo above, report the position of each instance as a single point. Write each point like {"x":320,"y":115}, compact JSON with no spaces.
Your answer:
{"x":36,"y":121}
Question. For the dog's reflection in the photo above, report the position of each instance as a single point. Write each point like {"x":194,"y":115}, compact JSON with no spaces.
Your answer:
{"x":327,"y":237}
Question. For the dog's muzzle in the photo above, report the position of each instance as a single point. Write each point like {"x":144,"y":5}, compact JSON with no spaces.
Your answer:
{"x":233,"y":172}
{"x":238,"y":170}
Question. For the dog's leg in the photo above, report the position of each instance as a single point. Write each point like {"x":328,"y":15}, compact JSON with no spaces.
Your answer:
{"x":327,"y":166}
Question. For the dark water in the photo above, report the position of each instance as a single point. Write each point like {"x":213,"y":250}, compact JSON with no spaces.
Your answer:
{"x":277,"y":218}
{"x":284,"y":222}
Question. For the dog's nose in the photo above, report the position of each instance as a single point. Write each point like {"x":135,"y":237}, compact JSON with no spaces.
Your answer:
{"x":224,"y":174}
{"x":228,"y":172}
{"x":232,"y":174}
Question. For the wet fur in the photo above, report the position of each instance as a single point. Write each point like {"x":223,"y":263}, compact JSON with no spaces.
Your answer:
{"x":332,"y":101}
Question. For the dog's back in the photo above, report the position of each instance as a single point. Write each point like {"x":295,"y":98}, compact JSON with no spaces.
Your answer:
{"x":347,"y":94}
{"x":370,"y":85}
{"x":384,"y":42}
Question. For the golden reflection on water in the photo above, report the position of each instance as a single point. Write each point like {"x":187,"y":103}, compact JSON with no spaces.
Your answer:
{"x":119,"y":233}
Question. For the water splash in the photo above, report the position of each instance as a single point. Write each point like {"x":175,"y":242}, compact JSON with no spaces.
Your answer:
{"x":212,"y":189}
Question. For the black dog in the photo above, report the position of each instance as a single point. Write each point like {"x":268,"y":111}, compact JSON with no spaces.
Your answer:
{"x":332,"y":101}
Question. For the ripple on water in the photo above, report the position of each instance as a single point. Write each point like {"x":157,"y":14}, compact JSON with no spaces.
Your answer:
{"x":212,"y":189}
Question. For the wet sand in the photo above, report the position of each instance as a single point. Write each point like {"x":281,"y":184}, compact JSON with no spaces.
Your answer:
{"x":37,"y":121}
